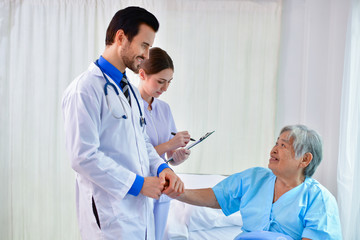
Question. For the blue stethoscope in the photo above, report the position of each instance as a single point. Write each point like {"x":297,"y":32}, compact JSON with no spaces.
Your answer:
{"x":108,"y":83}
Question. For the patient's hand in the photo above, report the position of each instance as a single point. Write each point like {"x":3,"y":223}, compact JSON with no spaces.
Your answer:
{"x":173,"y":186}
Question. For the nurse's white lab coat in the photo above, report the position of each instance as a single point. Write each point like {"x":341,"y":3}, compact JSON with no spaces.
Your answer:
{"x":106,"y":154}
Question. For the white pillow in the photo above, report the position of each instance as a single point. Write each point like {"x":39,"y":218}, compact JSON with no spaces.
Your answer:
{"x":203,"y":218}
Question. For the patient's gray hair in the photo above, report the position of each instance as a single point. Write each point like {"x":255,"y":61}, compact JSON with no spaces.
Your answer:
{"x":306,"y":140}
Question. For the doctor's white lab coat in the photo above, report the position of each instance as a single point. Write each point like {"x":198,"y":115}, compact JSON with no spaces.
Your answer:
{"x":106,"y":154}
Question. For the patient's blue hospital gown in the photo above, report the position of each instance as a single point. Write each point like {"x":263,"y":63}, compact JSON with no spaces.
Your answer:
{"x":306,"y":211}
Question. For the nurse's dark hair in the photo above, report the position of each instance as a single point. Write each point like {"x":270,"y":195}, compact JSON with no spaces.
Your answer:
{"x":129,"y":20}
{"x":306,"y":140}
{"x":158,"y":61}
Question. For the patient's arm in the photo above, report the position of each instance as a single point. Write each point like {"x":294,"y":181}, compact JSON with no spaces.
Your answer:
{"x":306,"y":239}
{"x":199,"y":197}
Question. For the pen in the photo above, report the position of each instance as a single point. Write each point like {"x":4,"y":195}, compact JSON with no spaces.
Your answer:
{"x":172,"y":133}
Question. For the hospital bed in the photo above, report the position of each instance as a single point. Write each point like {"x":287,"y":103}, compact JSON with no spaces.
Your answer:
{"x":192,"y":222}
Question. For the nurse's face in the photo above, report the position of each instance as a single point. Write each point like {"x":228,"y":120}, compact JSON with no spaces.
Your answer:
{"x":136,"y":51}
{"x":282,"y":158}
{"x":155,"y":84}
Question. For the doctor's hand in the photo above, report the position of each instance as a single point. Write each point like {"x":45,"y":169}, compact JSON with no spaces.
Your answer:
{"x":180,"y":139}
{"x":152,"y":187}
{"x":179,"y":156}
{"x":173,"y":185}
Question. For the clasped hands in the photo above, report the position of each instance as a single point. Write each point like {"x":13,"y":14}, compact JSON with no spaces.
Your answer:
{"x":167,"y":182}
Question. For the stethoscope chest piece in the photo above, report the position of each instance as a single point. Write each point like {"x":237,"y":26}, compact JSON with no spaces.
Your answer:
{"x":142,"y":121}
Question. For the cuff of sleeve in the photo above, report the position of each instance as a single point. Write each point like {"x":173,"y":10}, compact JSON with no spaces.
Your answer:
{"x":162,"y":167}
{"x":137,"y":185}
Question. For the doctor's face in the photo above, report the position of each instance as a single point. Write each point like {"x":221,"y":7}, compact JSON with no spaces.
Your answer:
{"x":134,"y":52}
{"x":282,"y":160}
{"x":155,"y":84}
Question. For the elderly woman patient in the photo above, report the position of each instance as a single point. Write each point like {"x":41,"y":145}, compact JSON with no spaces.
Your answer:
{"x":281,"y":200}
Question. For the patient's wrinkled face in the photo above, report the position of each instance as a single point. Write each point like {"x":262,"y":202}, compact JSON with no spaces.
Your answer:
{"x":282,"y":157}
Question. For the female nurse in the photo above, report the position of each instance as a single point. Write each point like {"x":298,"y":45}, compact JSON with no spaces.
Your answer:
{"x":156,"y":74}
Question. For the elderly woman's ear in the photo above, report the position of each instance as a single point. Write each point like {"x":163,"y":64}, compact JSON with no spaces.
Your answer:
{"x":306,"y":159}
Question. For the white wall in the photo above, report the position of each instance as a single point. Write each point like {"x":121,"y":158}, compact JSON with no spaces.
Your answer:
{"x":311,"y":71}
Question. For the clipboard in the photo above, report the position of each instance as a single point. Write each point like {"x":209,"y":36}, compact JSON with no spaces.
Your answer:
{"x":194,"y":143}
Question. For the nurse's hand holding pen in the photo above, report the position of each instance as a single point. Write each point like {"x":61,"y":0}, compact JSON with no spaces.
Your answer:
{"x":180,"y":139}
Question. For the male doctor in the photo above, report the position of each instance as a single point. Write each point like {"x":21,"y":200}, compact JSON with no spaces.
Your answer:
{"x":117,"y":169}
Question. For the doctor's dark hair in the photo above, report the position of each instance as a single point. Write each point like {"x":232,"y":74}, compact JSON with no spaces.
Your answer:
{"x":306,"y":140}
{"x":158,"y":61}
{"x":129,"y":20}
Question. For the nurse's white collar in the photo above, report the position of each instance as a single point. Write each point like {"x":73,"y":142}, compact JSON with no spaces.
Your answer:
{"x":153,"y":104}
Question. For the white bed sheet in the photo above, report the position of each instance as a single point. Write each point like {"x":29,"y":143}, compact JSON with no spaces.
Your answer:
{"x":191,"y":222}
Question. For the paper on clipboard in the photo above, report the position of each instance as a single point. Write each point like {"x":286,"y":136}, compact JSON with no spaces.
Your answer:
{"x":195,"y":143}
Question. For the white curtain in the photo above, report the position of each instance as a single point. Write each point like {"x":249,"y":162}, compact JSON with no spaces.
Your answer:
{"x":348,"y":176}
{"x":311,"y":72}
{"x":225,"y":55}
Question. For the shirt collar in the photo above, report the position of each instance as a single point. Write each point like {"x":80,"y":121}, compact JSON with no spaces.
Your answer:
{"x":153,"y":104}
{"x":110,"y":70}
